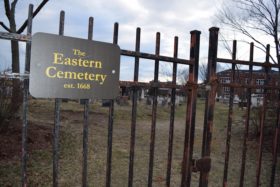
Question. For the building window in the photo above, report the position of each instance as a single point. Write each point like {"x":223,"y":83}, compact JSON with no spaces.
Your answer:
{"x":226,"y":89}
{"x":224,"y":80}
{"x":259,"y":82}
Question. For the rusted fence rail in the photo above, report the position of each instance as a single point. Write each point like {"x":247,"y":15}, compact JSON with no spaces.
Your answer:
{"x":267,"y":88}
{"x":191,"y":106}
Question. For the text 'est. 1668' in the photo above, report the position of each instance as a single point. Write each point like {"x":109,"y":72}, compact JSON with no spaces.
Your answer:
{"x":66,"y":67}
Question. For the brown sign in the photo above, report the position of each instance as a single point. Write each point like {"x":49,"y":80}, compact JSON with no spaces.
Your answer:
{"x":66,"y":67}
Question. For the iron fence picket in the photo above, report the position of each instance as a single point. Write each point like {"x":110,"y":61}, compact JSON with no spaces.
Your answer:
{"x":247,"y":120}
{"x":210,"y":101}
{"x":193,"y":83}
{"x":275,"y":146}
{"x":25,"y":100}
{"x":230,"y":117}
{"x":154,"y":114}
{"x":191,"y":92}
{"x":134,"y":110}
{"x":263,"y":117}
{"x":172,"y":115}
{"x":110,"y":123}
{"x":86,"y":120}
{"x":57,"y":119}
{"x":85,"y":143}
{"x":110,"y":144}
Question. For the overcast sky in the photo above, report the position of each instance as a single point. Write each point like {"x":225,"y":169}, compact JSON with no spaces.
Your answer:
{"x":170,"y":18}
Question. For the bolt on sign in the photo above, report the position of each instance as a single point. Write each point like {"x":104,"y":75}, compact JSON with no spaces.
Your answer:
{"x":73,"y":68}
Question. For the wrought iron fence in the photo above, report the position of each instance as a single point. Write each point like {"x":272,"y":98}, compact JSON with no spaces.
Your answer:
{"x":249,"y":87}
{"x":189,"y":164}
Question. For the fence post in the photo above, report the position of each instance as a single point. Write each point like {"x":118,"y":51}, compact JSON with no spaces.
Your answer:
{"x":172,"y":115}
{"x":275,"y":141}
{"x":210,"y":100}
{"x":230,"y":115}
{"x":154,"y":113}
{"x":86,"y":120}
{"x":25,"y":100}
{"x":247,"y":120}
{"x":57,"y":119}
{"x":134,"y":110}
{"x":111,"y":122}
{"x":263,"y":116}
{"x":191,"y":90}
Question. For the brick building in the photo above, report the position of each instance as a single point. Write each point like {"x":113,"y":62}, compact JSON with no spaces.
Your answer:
{"x":242,"y":77}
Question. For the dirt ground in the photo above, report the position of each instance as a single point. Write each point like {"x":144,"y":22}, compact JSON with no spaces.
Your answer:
{"x":40,"y":144}
{"x":10,"y":147}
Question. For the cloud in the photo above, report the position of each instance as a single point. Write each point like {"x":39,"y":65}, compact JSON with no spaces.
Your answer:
{"x":171,"y":18}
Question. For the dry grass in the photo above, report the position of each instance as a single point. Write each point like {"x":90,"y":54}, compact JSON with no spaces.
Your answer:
{"x":40,"y":161}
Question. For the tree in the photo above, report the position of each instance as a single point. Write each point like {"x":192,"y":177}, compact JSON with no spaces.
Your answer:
{"x":10,"y":11}
{"x":182,"y":73}
{"x":253,"y":16}
{"x":202,"y":72}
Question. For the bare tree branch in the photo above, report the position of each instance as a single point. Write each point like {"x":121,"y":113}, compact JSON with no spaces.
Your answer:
{"x":7,"y":9}
{"x":13,"y":8}
{"x":5,"y":27}
{"x":226,"y":45}
{"x":183,"y":75}
{"x":253,"y":15}
{"x":24,"y":25}
{"x":203,"y":72}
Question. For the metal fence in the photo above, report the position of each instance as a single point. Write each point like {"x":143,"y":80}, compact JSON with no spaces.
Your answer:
{"x":189,"y":165}
{"x":193,"y":77}
{"x":267,"y":88}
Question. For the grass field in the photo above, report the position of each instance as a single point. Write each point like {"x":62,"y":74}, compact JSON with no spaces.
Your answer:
{"x":70,"y":163}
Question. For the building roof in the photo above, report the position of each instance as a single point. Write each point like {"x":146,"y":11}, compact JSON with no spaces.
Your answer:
{"x":260,"y":71}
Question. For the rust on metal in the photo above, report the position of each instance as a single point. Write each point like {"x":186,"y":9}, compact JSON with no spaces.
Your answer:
{"x":172,"y":116}
{"x":154,"y":114}
{"x":247,"y":119}
{"x":263,"y":116}
{"x":267,"y":88}
{"x":230,"y":116}
{"x":210,"y":100}
{"x":201,"y":165}
{"x":191,"y":92}
{"x":244,"y":62}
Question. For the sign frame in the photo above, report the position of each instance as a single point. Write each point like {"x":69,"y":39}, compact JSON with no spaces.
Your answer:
{"x":73,"y":68}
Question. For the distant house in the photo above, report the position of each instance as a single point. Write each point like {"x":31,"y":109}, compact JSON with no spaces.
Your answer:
{"x":242,"y":77}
